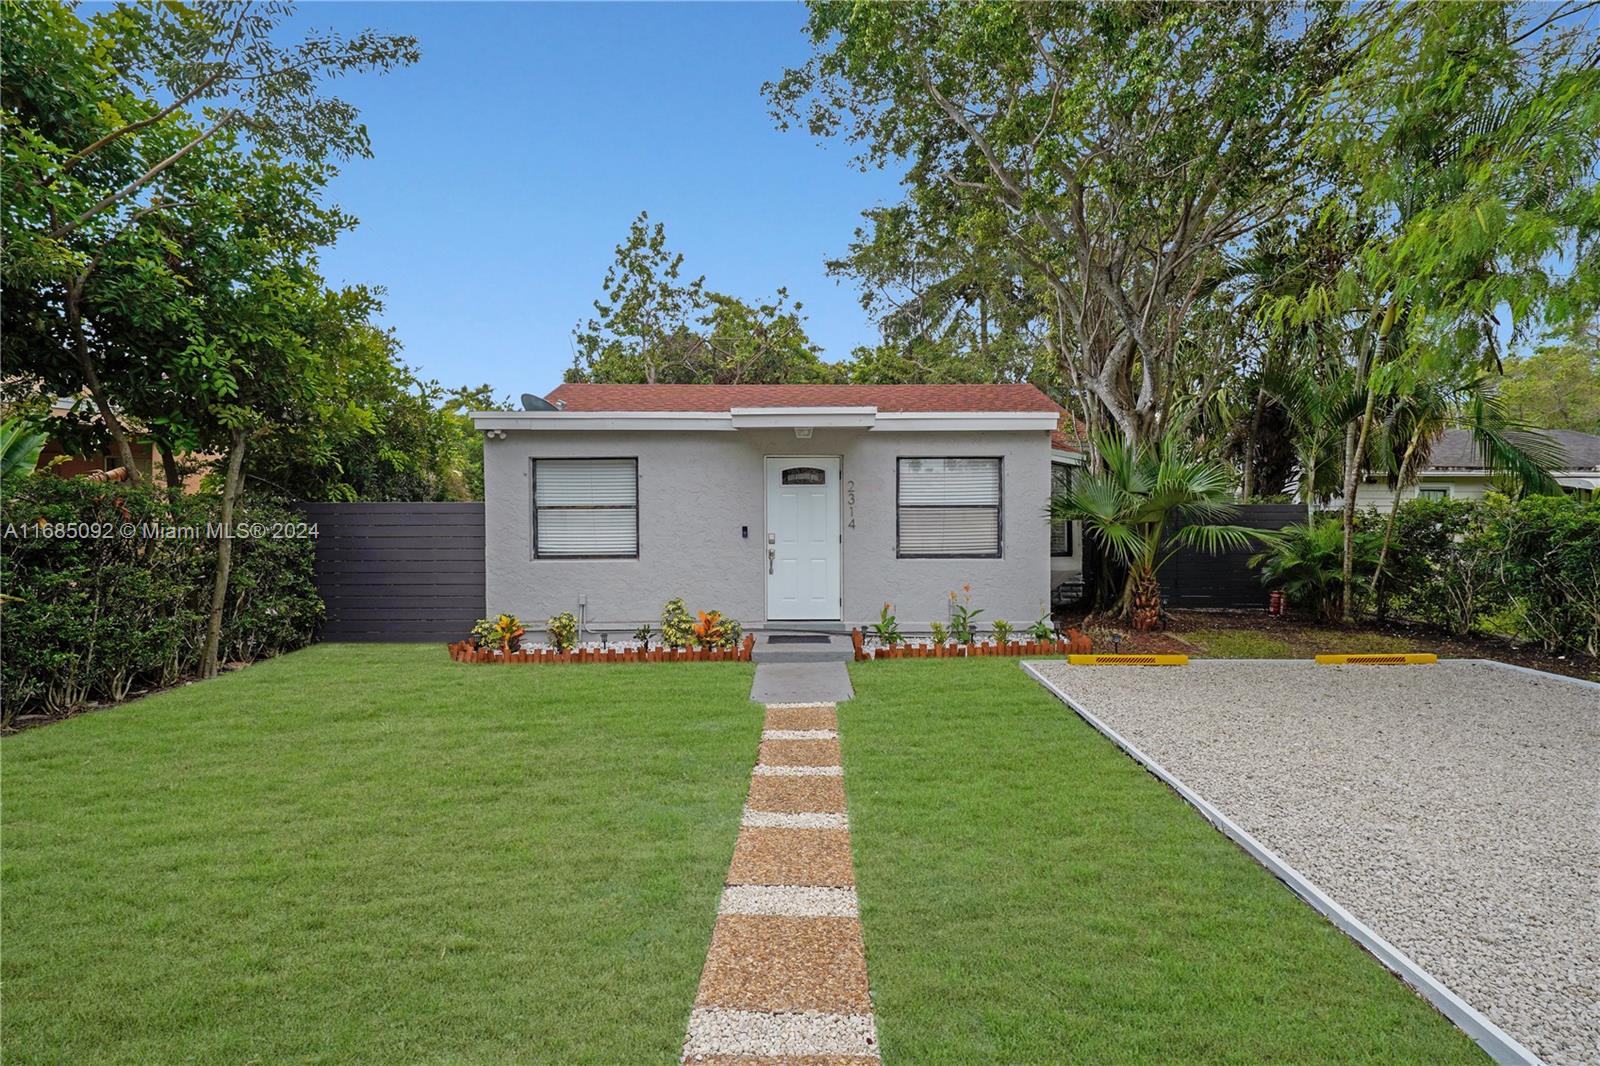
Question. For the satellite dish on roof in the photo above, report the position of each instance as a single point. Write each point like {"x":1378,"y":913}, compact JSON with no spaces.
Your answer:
{"x":530,"y":402}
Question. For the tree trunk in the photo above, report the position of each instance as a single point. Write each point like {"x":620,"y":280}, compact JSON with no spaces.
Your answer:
{"x":1394,"y":509}
{"x":219,"y":591}
{"x":1248,"y":483}
{"x":91,"y":379}
{"x":1355,"y":444}
{"x":1146,"y":602}
{"x":169,"y":465}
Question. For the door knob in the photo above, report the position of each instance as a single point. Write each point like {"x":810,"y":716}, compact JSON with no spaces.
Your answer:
{"x":772,"y":555}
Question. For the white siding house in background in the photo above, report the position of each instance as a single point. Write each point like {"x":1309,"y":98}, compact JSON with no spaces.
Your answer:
{"x":1455,"y":469}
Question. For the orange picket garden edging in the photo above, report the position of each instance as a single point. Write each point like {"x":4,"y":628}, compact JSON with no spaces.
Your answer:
{"x":463,"y":651}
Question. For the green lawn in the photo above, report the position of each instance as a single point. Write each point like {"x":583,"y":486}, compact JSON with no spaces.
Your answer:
{"x":1030,"y":895}
{"x":372,"y":854}
{"x":1291,"y":644}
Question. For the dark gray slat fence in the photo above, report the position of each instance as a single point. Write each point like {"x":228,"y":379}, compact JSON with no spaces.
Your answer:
{"x":399,"y":571}
{"x":1195,"y":579}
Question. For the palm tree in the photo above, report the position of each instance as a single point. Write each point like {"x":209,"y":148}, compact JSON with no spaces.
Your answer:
{"x":1445,"y":397}
{"x":20,"y":445}
{"x":1130,"y":503}
{"x":1307,"y":564}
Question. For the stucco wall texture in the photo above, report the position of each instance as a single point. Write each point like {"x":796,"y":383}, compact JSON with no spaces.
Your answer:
{"x":696,"y":491}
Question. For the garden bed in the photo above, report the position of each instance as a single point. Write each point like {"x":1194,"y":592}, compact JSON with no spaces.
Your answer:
{"x":464,"y":651}
{"x":1076,"y":644}
{"x":1221,"y":634}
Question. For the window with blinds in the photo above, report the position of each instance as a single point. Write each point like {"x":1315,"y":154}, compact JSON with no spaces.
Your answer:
{"x":949,"y":507}
{"x":584,"y":508}
{"x":1060,"y":536}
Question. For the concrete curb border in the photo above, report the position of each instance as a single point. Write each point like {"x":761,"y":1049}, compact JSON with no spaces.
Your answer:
{"x":1500,"y":1045}
{"x":1528,"y":670}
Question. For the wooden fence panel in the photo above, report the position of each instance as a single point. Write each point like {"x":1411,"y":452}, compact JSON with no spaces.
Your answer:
{"x":399,"y":571}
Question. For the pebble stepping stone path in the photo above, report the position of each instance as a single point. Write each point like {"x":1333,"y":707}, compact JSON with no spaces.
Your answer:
{"x":785,"y":981}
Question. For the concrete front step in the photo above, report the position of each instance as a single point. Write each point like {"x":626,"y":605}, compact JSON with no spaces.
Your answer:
{"x":837,"y":649}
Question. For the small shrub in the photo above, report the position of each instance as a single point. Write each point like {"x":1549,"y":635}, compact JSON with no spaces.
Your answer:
{"x":887,"y":627}
{"x":732,"y":632}
{"x":708,"y":632}
{"x":963,"y":616}
{"x":503,"y":632}
{"x":940,"y":634}
{"x":1002,"y":631}
{"x":642,"y":635}
{"x":1043,"y":629}
{"x":98,"y":617}
{"x":1307,"y":563}
{"x":562,"y":631}
{"x":1443,"y":564}
{"x":677,"y":625}
{"x":1548,"y":568}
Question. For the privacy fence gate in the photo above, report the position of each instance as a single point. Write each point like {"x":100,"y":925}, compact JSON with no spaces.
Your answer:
{"x":1198,"y":579}
{"x":399,"y":571}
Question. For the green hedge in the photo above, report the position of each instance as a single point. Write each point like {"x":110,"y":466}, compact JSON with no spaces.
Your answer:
{"x":1532,"y":563}
{"x":100,"y":614}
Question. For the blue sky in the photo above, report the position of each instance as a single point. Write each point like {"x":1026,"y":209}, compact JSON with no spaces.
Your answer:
{"x":508,"y":163}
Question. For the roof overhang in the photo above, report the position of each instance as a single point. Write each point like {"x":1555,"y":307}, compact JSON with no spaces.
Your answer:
{"x":803,"y":417}
{"x":868,"y":418}
{"x":1579,"y":481}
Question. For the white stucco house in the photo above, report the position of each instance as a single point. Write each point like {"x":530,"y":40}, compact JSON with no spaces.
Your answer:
{"x":779,"y":505}
{"x":1455,"y":470}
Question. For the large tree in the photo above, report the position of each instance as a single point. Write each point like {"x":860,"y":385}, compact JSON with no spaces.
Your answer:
{"x":1466,"y":137}
{"x":653,"y":325}
{"x":114,"y":125}
{"x":1557,"y":386}
{"x":1118,"y":153}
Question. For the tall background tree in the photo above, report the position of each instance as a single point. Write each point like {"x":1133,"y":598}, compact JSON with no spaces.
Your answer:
{"x":1116,"y":152}
{"x":654,"y":326}
{"x":1466,"y":137}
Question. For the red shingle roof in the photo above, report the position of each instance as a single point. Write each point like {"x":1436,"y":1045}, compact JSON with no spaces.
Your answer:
{"x":724,"y":397}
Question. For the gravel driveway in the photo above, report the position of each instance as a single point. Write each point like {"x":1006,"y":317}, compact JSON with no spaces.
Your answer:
{"x":1454,"y":808}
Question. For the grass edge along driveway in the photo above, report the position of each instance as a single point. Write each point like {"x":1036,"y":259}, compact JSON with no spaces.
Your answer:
{"x":367,"y":853}
{"x":1029,"y":895}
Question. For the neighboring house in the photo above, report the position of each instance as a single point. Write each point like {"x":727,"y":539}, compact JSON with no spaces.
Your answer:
{"x":1455,"y":469}
{"x":64,"y":463}
{"x":773,"y":504}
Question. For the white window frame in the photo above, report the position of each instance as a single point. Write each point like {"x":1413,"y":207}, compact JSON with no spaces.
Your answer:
{"x":1433,"y":492}
{"x":998,"y":507}
{"x":533,"y":501}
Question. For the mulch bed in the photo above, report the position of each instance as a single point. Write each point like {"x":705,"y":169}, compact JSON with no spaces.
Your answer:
{"x":797,"y":795}
{"x":779,"y":963}
{"x":799,"y":753}
{"x":1306,"y":637}
{"x":801,"y":718}
{"x":792,"y":857}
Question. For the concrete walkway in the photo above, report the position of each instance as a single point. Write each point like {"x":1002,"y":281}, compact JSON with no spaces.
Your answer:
{"x":785,"y":979}
{"x":801,"y":683}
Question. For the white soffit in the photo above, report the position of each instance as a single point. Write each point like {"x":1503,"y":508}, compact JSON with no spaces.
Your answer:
{"x":1573,"y":481}
{"x":816,"y":417}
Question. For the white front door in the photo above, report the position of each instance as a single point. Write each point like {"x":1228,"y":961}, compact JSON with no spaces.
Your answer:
{"x":802,"y":550}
